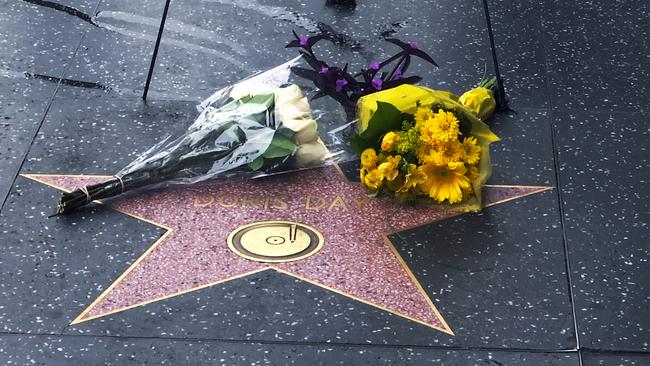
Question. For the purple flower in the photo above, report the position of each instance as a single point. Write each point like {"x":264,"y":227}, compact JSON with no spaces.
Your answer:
{"x":340,"y":83}
{"x":376,"y":83}
{"x":398,"y":74}
{"x":374,"y":66}
{"x":413,"y":45}
{"x":324,"y":69}
{"x":303,"y":41}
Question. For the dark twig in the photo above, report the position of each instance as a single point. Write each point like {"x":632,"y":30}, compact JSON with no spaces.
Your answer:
{"x":502,"y":102}
{"x":155,"y":50}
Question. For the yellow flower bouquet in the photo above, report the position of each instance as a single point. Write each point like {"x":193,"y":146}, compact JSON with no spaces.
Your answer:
{"x":414,"y":142}
{"x":419,"y":142}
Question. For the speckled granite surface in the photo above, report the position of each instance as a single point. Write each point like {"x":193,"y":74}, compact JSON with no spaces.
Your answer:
{"x":557,"y":278}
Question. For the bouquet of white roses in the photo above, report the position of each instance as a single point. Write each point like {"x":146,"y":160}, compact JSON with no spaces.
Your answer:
{"x":262,"y":125}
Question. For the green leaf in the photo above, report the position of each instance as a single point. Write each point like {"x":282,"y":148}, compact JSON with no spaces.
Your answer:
{"x":258,"y":108}
{"x":256,"y":164}
{"x":404,"y":165}
{"x":264,"y":99}
{"x":276,"y":152}
{"x":286,"y":132}
{"x":386,"y":118}
{"x":465,"y":126}
{"x":283,"y":142}
{"x":358,"y":144}
{"x":281,"y":146}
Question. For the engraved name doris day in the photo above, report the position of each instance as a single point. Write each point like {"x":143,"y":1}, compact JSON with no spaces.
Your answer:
{"x":279,"y":202}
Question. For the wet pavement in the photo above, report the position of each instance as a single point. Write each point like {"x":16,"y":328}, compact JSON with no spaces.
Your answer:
{"x":555,"y":278}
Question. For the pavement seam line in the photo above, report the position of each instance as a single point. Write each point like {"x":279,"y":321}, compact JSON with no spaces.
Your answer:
{"x":45,"y":112}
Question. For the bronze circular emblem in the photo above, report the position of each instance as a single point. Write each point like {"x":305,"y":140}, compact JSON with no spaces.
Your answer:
{"x":275,"y":241}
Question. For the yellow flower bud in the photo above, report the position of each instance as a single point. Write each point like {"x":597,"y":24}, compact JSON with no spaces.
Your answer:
{"x":371,"y":178}
{"x":480,"y":101}
{"x":369,"y":158}
{"x":389,"y":142}
{"x":390,"y":168}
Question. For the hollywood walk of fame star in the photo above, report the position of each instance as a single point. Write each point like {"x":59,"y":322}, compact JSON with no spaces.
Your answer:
{"x":357,"y":260}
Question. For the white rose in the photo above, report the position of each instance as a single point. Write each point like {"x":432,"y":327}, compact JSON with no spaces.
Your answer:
{"x":296,"y":109}
{"x":306,"y":130}
{"x":311,"y":154}
{"x":287,"y":94}
{"x":245,"y":88}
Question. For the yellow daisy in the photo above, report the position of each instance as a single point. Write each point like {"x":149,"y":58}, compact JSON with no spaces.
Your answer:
{"x":445,"y":182}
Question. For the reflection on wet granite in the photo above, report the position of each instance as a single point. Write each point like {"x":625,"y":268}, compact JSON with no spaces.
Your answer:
{"x":520,"y":49}
{"x":54,"y":267}
{"x":22,"y":106}
{"x":198,"y":54}
{"x":525,"y":153}
{"x":36,"y":44}
{"x":501,"y":271}
{"x":620,"y":359}
{"x":72,"y":351}
{"x":603,"y":174}
{"x":597,"y":54}
{"x":36,"y":39}
{"x":99,"y":132}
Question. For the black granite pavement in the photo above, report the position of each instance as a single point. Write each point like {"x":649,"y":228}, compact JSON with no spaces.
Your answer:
{"x":555,"y":279}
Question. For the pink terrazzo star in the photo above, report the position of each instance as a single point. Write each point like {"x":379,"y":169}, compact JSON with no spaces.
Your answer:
{"x":357,"y":260}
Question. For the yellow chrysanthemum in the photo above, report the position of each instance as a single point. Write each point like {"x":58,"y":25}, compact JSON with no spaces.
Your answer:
{"x":472,"y":175}
{"x":369,"y":158}
{"x":371,"y":178}
{"x":451,"y":151}
{"x":434,"y":157}
{"x":442,"y":153}
{"x":412,"y":179}
{"x":445,"y":182}
{"x":472,"y":150}
{"x":422,"y":115}
{"x":390,"y":168}
{"x":390,"y":140}
{"x":444,"y":126}
{"x":427,"y":134}
{"x":423,"y":152}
